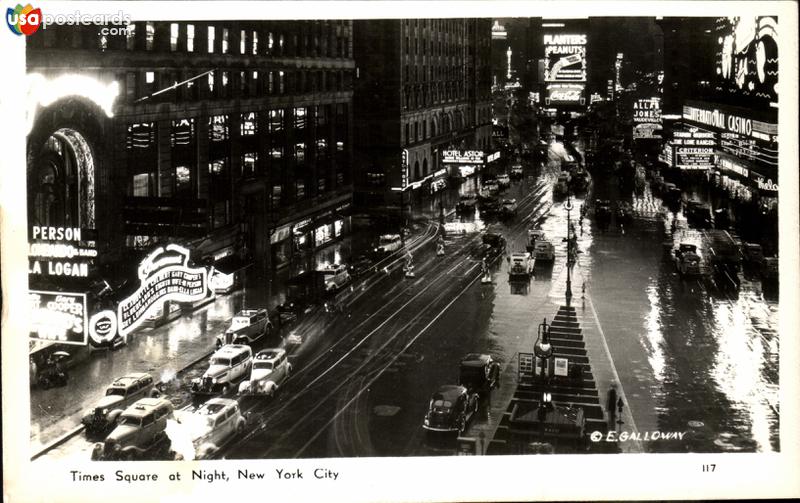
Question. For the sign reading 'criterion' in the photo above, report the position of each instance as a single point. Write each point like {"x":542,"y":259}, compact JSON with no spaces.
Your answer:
{"x":165,"y":276}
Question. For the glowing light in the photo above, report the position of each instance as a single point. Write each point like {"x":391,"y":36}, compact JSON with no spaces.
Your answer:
{"x":45,"y":92}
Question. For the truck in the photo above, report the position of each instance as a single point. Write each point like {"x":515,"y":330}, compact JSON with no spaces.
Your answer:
{"x":247,"y":326}
{"x":479,"y":373}
{"x":520,"y":266}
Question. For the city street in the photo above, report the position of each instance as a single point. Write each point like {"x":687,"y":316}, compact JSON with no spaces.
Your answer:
{"x":690,"y":356}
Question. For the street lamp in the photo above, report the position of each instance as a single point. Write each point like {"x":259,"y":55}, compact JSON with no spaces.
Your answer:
{"x":568,"y":293}
{"x":542,"y":348}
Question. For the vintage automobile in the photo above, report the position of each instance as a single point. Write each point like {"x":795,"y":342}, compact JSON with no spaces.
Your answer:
{"x":211,"y":425}
{"x":687,"y":260}
{"x":336,"y":277}
{"x":493,"y":238}
{"x":699,"y":215}
{"x":450,"y":409}
{"x":479,"y":373}
{"x":489,"y":206}
{"x":544,"y":252}
{"x":520,"y":266}
{"x":467,"y":204}
{"x":561,"y":188}
{"x":534,"y":235}
{"x":388,"y":243}
{"x":517,"y":171}
{"x":120,"y":394}
{"x":271,"y":368}
{"x":359,"y":266}
{"x":503,"y":180}
{"x":753,"y":254}
{"x":247,"y":326}
{"x":139,"y":432}
{"x":227,"y":366}
{"x":508,"y":208}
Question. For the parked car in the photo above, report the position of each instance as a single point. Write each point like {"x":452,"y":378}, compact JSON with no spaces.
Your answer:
{"x":388,"y":243}
{"x":140,"y":431}
{"x":450,"y":409}
{"x":520,"y":266}
{"x":120,"y":394}
{"x":467,"y":203}
{"x":503,"y":180}
{"x":211,"y":425}
{"x":489,"y":206}
{"x":247,"y":326}
{"x":493,"y":238}
{"x":687,"y":260}
{"x":479,"y":373}
{"x":227,"y":366}
{"x":271,"y":368}
{"x":336,"y":276}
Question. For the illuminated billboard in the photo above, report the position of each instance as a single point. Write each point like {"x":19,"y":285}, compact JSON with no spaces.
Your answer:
{"x":61,"y":251}
{"x":565,"y":57}
{"x":646,"y":118}
{"x":58,"y":316}
{"x":565,"y":94}
{"x":462,"y":157}
{"x":747,"y":57}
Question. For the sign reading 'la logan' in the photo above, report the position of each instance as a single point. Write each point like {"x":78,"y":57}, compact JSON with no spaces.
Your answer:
{"x":60,"y":251}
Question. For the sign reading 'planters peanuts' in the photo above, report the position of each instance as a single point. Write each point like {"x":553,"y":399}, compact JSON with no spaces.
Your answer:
{"x":164,"y":275}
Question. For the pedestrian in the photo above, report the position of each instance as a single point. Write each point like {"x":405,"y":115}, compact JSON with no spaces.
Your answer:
{"x":611,"y":406}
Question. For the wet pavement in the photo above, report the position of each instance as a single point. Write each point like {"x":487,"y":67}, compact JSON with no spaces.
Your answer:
{"x":689,"y":355}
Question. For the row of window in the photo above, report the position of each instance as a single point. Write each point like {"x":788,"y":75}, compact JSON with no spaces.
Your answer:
{"x":176,"y":86}
{"x":424,"y":96}
{"x":293,"y":39}
{"x":183,"y":132}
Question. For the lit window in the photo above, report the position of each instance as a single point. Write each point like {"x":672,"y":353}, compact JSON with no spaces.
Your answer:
{"x":173,"y":37}
{"x":211,"y":36}
{"x":190,"y":37}
{"x":249,"y":124}
{"x":224,"y":79}
{"x":270,"y":43}
{"x":224,"y":41}
{"x":249,"y":164}
{"x":131,"y":37}
{"x":299,"y":118}
{"x":300,"y":152}
{"x":211,"y":82}
{"x":150,"y":33}
{"x":270,"y":87}
{"x":275,"y":120}
{"x":280,"y":82}
{"x":276,"y":152}
{"x":254,"y":38}
{"x":242,"y":42}
{"x":216,"y":167}
{"x":218,"y":128}
{"x":149,"y":77}
{"x":301,"y":189}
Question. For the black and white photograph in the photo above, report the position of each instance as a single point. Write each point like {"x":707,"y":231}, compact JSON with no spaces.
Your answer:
{"x":266,"y":249}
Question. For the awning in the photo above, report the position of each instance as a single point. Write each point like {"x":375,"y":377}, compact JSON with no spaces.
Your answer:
{"x":232,"y":264}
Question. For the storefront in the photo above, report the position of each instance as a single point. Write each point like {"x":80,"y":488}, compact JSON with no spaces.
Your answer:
{"x":281,"y":246}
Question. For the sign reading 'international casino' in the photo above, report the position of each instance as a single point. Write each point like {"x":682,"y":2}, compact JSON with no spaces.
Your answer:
{"x":165,"y":276}
{"x":732,"y":123}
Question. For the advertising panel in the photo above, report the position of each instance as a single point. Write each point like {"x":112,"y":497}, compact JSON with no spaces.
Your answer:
{"x":691,"y":158}
{"x":58,"y":316}
{"x":61,"y":251}
{"x":462,"y":156}
{"x":571,"y":94}
{"x":565,"y":57}
{"x":647,"y":111}
{"x":164,"y":275}
{"x":747,"y":57}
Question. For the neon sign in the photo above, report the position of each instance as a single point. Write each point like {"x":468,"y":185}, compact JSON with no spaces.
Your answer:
{"x":165,"y":276}
{"x":565,"y":58}
{"x":60,"y":251}
{"x":58,"y":316}
{"x":45,"y":92}
{"x":464,"y":157}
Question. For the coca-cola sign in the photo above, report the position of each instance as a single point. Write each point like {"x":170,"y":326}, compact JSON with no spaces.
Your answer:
{"x":565,"y":93}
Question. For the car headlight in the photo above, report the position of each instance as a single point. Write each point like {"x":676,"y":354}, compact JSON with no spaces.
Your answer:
{"x":427,"y":422}
{"x":214,"y":380}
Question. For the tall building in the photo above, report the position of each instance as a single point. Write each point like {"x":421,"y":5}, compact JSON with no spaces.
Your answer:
{"x":423,"y":88}
{"x":232,"y":138}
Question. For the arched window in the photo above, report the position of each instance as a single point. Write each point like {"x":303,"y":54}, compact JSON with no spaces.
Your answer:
{"x":416,"y":171}
{"x":425,"y":167}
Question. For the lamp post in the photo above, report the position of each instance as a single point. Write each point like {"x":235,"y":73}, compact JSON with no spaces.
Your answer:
{"x":542,"y":348}
{"x":568,"y":293}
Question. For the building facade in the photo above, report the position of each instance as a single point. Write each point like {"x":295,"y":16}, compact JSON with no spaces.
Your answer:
{"x":422,"y":87}
{"x":234,"y":137}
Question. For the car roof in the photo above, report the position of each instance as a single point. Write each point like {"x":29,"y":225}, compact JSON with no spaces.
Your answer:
{"x":475,"y":359}
{"x":270,"y":354}
{"x":231,"y":349}
{"x":449,"y":391}
{"x":249,"y":312}
{"x":145,"y":406}
{"x":129,"y":379}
